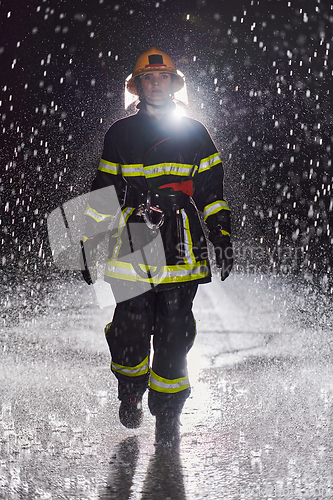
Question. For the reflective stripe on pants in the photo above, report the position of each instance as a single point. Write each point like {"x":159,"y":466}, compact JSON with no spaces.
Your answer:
{"x":131,"y":371}
{"x":161,"y":384}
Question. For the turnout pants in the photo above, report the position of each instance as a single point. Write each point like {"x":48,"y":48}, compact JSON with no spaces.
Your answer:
{"x":167,"y":315}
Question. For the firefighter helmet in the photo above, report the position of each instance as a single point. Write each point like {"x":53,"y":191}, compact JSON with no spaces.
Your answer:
{"x":154,"y":59}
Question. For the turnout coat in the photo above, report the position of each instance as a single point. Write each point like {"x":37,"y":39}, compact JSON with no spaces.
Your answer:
{"x":169,"y":172}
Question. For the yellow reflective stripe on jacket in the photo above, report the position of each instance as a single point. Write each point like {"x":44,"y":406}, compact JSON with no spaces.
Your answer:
{"x":138,"y":170}
{"x":170,"y":386}
{"x":168,"y":169}
{"x":131,"y":371}
{"x":194,"y":170}
{"x":189,"y":255}
{"x":135,"y":170}
{"x":109,"y":167}
{"x":125,"y":214}
{"x":96,"y":215}
{"x":168,"y":274}
{"x":210,"y":161}
{"x":215,"y":207}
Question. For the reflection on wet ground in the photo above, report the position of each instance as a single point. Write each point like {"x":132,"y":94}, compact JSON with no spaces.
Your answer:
{"x":258,"y":423}
{"x":163,"y":478}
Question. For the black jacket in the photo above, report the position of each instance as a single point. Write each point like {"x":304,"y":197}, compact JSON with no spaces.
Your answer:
{"x":141,"y":154}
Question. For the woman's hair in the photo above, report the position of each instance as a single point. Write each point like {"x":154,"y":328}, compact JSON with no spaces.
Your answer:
{"x":137,"y":81}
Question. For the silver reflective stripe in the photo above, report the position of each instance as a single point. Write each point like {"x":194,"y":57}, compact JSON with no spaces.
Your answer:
{"x":125,"y":214}
{"x":161,"y":384}
{"x":131,"y":371}
{"x":109,"y":167}
{"x":210,"y":161}
{"x":125,"y":270}
{"x":132,"y":170}
{"x":96,"y":215}
{"x":215,"y":207}
{"x":168,"y":168}
{"x":189,"y":256}
{"x":114,"y":269}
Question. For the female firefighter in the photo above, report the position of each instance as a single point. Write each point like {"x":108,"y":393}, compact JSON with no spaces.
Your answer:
{"x":165,"y":171}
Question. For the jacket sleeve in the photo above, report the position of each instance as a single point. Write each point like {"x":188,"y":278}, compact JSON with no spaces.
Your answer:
{"x":106,"y":191}
{"x":208,"y":186}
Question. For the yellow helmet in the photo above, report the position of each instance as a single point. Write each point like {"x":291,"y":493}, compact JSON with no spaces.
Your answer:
{"x":154,"y":60}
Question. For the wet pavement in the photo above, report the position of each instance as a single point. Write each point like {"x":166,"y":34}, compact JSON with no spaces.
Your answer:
{"x":258,"y":423}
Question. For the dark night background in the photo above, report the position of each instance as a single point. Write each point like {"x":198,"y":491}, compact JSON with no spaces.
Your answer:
{"x":259,"y":77}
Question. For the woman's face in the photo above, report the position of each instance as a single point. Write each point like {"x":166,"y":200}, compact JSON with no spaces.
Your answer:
{"x":156,"y":87}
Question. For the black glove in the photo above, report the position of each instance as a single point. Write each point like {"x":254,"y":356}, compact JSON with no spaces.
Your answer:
{"x":223,"y":252}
